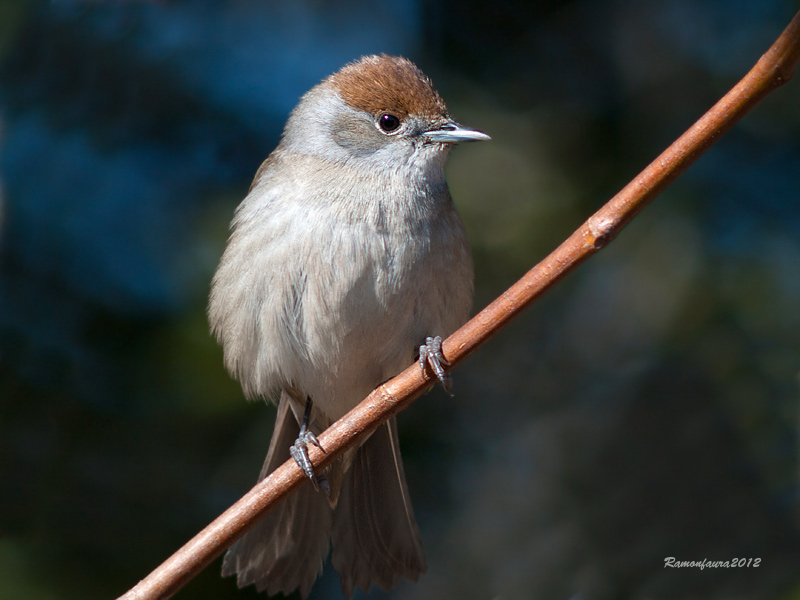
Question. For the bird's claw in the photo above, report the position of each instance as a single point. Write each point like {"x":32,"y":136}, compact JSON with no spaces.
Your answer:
{"x":430,"y":354}
{"x":299,"y":452}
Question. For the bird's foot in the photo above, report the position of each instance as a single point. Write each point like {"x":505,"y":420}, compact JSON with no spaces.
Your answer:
{"x":299,"y":452}
{"x":430,"y":354}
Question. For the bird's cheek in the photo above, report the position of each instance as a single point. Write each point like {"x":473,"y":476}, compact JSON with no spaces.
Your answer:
{"x":357,"y":139}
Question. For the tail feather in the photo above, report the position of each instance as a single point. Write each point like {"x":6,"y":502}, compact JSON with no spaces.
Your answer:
{"x":285,"y":550}
{"x":372,"y":529}
{"x":375,"y":536}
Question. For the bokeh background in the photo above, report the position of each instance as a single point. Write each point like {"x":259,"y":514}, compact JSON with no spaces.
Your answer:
{"x":647,"y":408}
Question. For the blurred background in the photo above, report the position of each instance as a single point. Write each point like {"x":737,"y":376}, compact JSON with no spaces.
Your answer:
{"x":646,"y":408}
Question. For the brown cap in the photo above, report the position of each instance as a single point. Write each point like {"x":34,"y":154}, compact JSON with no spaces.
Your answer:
{"x":388,"y":84}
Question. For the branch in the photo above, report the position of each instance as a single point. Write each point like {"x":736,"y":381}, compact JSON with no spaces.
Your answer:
{"x":774,"y":69}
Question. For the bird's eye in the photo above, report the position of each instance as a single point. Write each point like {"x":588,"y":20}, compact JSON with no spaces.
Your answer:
{"x":388,"y":123}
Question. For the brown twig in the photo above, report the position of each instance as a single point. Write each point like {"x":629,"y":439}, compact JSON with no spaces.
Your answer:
{"x":774,"y":69}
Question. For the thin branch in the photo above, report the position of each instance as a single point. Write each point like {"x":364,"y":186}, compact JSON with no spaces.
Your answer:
{"x":774,"y":69}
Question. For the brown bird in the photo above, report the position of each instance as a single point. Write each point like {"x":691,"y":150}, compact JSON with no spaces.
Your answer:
{"x":346,"y":260}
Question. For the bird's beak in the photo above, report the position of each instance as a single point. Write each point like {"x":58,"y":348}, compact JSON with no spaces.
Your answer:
{"x":453,"y":133}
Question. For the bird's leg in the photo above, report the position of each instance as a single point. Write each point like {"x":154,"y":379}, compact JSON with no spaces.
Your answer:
{"x":299,"y":452}
{"x":430,"y":353}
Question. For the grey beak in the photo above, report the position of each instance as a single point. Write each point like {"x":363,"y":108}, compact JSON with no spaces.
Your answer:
{"x":453,"y":133}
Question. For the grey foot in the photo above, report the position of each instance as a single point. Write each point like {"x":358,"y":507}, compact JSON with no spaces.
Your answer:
{"x":299,"y":452}
{"x":430,"y":354}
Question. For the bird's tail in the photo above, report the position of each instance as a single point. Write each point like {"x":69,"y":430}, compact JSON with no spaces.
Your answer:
{"x":285,"y":550}
{"x":374,"y":534}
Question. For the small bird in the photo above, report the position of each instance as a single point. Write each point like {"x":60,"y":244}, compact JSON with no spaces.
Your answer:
{"x":346,"y":262}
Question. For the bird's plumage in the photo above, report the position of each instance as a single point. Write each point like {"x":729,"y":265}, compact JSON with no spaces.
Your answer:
{"x":344,"y":256}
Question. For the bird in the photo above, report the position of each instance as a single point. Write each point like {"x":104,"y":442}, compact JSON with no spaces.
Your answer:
{"x":346,"y":262}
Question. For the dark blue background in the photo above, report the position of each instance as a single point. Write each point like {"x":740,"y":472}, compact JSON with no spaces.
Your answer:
{"x":646,"y":408}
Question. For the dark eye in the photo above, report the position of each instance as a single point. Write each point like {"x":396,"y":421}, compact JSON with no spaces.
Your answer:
{"x":388,"y":123}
